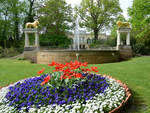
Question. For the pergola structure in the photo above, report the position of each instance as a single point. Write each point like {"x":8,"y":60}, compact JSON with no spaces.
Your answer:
{"x":28,"y":31}
{"x":123,"y":30}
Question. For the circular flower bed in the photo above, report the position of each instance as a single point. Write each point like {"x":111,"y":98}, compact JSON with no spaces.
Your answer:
{"x":72,"y":88}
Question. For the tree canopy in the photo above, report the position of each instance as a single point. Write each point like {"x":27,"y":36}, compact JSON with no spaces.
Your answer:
{"x":11,"y":12}
{"x":98,"y":14}
{"x":140,"y":20}
{"x":56,"y":16}
{"x":140,"y":17}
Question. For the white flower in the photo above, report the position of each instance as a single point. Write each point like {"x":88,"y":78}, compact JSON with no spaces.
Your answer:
{"x":112,"y":97}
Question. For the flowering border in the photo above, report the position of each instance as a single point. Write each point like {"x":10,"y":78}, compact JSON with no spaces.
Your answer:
{"x":128,"y":94}
{"x":123,"y":103}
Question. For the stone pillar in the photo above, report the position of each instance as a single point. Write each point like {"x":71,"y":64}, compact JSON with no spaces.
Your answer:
{"x":128,"y":39}
{"x":26,"y":39}
{"x":118,"y":38}
{"x":36,"y":39}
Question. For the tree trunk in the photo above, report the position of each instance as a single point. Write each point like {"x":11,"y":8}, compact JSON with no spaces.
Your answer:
{"x":30,"y":15}
{"x":4,"y":33}
{"x":96,"y":33}
{"x":16,"y":30}
{"x":16,"y":26}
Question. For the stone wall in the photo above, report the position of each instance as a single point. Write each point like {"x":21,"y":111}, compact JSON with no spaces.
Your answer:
{"x":31,"y":55}
{"x":92,"y":57}
{"x":125,"y":53}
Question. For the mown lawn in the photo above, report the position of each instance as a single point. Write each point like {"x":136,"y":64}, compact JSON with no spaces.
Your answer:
{"x":135,"y":73}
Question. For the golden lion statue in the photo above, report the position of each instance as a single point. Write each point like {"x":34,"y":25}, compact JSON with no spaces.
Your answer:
{"x":32,"y":25}
{"x":123,"y":24}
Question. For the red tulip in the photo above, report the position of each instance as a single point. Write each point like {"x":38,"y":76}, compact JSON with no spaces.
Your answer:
{"x":88,"y":70}
{"x":41,"y":71}
{"x":84,"y":64}
{"x":62,"y":77}
{"x":46,"y":79}
{"x":94,"y":69}
{"x":43,"y":83}
{"x":52,"y":64}
{"x":79,"y":75}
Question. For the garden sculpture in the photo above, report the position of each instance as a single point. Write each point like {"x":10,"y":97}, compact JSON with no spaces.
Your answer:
{"x":32,"y":25}
{"x":123,"y":24}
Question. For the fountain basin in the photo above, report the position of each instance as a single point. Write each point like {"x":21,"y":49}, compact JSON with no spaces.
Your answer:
{"x":90,"y":56}
{"x":63,"y":56}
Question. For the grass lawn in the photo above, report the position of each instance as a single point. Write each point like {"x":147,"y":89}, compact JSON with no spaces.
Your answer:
{"x":135,"y":73}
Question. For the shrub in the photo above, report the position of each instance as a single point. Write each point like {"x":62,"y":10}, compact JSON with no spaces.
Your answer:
{"x":55,"y":41}
{"x":8,"y":52}
{"x":1,"y":51}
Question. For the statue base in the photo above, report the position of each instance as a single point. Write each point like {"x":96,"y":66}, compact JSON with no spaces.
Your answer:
{"x":31,"y":48}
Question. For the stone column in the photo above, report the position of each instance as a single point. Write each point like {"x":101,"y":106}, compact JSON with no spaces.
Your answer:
{"x":26,"y":39}
{"x":118,"y":38}
{"x":128,"y":39}
{"x":36,"y":39}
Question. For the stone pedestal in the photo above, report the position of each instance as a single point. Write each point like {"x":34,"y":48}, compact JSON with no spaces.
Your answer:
{"x":125,"y":52}
{"x":27,"y":46}
{"x":124,"y":47}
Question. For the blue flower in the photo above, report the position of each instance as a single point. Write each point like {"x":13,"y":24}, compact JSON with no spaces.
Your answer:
{"x":36,"y":96}
{"x":45,"y":98}
{"x":69,"y":99}
{"x":86,"y":98}
{"x":50,"y":101}
{"x":63,"y":101}
{"x":30,"y":92}
{"x":29,"y":103}
{"x":60,"y":103}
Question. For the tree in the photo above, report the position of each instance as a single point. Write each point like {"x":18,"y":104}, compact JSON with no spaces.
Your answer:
{"x":11,"y":16}
{"x":140,"y":19}
{"x":5,"y":22}
{"x":16,"y":13}
{"x":56,"y":16}
{"x":31,"y":9}
{"x":97,"y":14}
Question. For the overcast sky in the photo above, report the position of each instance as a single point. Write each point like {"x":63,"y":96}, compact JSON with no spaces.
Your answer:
{"x":123,"y":3}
